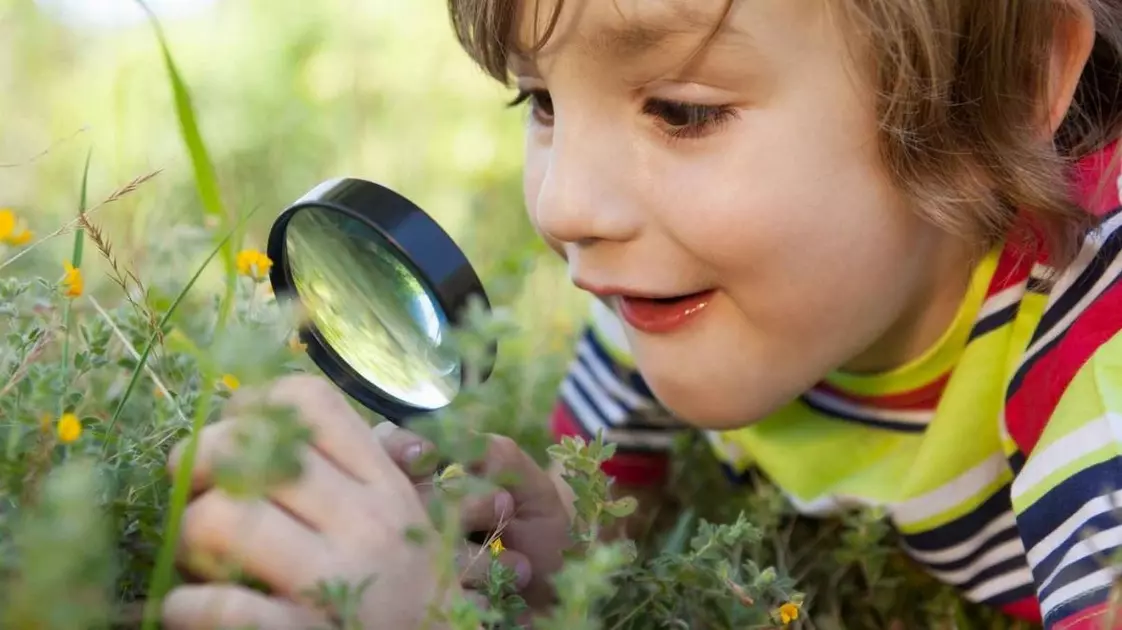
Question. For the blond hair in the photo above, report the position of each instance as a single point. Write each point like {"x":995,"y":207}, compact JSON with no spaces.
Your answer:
{"x":960,"y":90}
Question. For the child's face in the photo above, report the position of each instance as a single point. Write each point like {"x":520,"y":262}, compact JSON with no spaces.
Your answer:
{"x":768,"y":190}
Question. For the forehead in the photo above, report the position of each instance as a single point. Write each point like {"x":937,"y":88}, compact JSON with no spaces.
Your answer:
{"x":618,"y":28}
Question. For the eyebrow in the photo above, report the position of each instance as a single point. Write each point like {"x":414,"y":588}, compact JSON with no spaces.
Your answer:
{"x":640,"y":36}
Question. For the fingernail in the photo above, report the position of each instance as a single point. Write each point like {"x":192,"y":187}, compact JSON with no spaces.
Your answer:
{"x":504,"y":504}
{"x":413,"y":452}
{"x":523,"y":573}
{"x":415,"y":459}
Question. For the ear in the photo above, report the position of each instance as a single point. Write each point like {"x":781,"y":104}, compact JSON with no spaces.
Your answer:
{"x":1072,"y":41}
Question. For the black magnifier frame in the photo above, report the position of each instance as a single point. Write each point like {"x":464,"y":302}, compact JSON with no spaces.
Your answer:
{"x":418,"y":241}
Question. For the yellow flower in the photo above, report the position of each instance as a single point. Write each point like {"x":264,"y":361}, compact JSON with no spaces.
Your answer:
{"x":23,"y":237}
{"x":230,"y":381}
{"x":296,"y":345}
{"x":69,"y":428}
{"x":788,"y":612}
{"x":10,"y":232}
{"x":452,"y":471}
{"x":72,"y":282}
{"x":254,"y":264}
{"x":497,"y":547}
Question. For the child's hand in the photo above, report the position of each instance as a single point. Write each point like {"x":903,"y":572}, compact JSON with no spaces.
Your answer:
{"x":345,"y":519}
{"x":535,"y":530}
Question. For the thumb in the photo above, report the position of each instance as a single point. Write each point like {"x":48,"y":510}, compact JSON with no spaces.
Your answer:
{"x":506,"y":464}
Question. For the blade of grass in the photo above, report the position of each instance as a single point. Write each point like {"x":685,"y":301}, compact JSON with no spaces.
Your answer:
{"x":206,"y":182}
{"x":162,"y":324}
{"x":181,"y":485}
{"x":82,"y":200}
{"x":76,"y":260}
{"x":161,"y":575}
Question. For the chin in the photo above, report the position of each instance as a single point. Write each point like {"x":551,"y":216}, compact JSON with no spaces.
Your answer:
{"x":719,"y":373}
{"x":706,"y":406}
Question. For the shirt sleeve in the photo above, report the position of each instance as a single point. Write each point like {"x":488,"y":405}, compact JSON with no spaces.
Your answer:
{"x":1065,"y":414}
{"x":603,"y":392}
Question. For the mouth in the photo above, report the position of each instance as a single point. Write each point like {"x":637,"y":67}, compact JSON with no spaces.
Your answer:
{"x":657,"y":315}
{"x":652,"y":312}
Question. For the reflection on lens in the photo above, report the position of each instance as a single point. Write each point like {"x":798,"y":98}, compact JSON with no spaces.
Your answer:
{"x":370,"y":308}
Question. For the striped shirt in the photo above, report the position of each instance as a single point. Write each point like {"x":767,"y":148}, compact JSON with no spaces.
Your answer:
{"x":997,"y":454}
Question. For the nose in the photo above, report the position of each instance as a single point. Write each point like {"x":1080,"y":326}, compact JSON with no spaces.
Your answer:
{"x":586,"y":193}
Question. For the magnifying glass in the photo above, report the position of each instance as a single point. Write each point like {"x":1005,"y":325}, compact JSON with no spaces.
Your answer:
{"x":383,"y":286}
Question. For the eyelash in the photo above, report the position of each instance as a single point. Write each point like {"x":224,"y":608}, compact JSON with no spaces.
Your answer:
{"x":680,"y":120}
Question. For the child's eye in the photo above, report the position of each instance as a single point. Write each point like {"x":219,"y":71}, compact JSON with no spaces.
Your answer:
{"x":687,"y":120}
{"x":541,"y":104}
{"x":680,"y":120}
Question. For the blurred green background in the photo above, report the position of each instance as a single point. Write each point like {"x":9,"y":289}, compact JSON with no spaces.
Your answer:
{"x":287,"y":93}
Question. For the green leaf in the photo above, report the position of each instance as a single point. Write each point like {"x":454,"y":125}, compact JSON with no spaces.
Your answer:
{"x":622,"y":507}
{"x":206,"y":182}
{"x":416,"y":535}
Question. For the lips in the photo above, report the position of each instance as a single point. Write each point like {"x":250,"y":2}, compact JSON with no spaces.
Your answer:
{"x":663,"y":315}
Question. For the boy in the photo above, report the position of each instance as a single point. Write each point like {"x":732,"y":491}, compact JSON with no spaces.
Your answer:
{"x":870,"y":246}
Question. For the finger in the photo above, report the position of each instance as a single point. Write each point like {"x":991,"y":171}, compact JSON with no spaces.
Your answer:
{"x":258,"y":537}
{"x":338,"y":431}
{"x":322,"y":496}
{"x":196,"y":565}
{"x":486,"y":512}
{"x":215,"y":442}
{"x":411,"y":452}
{"x":244,"y":399}
{"x":316,"y":496}
{"x":214,"y":606}
{"x":507,"y":464}
{"x":474,"y":564}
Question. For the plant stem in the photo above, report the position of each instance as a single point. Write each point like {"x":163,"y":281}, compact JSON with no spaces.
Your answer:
{"x":640,"y":608}
{"x":76,"y":260}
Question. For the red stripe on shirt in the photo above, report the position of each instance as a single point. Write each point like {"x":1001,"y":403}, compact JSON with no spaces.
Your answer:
{"x":1094,"y":179}
{"x":1094,"y":186}
{"x":1093,"y":618}
{"x":1031,"y":407}
{"x":1013,"y":267}
{"x":1027,"y":609}
{"x":922,"y":398}
{"x":635,"y":469}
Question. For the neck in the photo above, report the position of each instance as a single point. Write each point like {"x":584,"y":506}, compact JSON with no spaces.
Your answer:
{"x":935,"y":300}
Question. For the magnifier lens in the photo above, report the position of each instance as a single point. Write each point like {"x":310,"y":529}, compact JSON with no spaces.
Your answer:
{"x":370,"y":308}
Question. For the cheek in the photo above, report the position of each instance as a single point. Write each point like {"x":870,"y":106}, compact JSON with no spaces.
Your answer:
{"x":795,"y":215}
{"x":813,"y":272}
